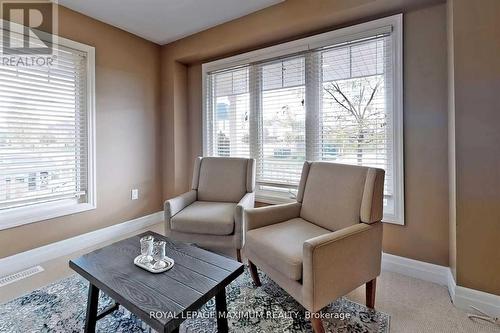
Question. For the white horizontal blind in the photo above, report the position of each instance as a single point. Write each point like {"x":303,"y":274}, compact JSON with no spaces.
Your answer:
{"x":43,"y":131}
{"x":282,"y":151}
{"x":229,"y":104}
{"x":332,"y":104}
{"x":356,"y":105}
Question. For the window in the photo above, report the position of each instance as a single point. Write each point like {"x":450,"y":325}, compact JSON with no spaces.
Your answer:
{"x":333,"y":97}
{"x":47,"y":136}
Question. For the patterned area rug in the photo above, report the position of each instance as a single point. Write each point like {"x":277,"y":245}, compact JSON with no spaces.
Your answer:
{"x":60,"y":307}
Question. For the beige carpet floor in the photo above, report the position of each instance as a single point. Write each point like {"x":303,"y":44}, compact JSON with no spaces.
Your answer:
{"x":414,"y":305}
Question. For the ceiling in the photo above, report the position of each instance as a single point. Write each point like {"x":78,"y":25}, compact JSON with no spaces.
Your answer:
{"x":164,"y":21}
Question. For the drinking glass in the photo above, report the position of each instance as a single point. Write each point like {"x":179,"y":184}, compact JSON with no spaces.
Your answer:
{"x":159,"y":254}
{"x":147,"y":249}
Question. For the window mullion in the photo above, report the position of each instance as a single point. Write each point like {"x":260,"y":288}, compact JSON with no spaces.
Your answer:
{"x":312,"y":104}
{"x":209,"y":121}
{"x":255,"y":115}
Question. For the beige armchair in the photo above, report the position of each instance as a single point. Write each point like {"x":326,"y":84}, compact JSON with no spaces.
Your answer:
{"x":211,"y":214}
{"x":327,"y":243}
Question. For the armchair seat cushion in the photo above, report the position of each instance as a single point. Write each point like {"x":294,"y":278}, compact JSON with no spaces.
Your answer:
{"x":280,"y":245}
{"x":203,"y":217}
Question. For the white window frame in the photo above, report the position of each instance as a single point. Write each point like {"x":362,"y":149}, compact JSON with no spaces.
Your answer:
{"x":15,"y":217}
{"x":394,"y":23}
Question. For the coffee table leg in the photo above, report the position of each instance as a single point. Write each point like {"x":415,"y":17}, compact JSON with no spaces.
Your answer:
{"x":92,"y":302}
{"x":221,"y":308}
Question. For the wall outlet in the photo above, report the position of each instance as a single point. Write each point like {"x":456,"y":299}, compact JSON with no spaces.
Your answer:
{"x":135,"y":194}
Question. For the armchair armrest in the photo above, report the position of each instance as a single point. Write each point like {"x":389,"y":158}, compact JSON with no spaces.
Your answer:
{"x":263,"y":216}
{"x":175,"y":205}
{"x":248,"y":201}
{"x":336,"y":263}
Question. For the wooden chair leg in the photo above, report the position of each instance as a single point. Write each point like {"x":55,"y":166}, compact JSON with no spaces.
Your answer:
{"x":371,"y":287}
{"x":254,"y":273}
{"x":317,"y":324}
{"x":238,"y":255}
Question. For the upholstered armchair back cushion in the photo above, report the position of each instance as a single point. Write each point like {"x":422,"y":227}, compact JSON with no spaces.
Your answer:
{"x":335,"y":196}
{"x":223,"y":179}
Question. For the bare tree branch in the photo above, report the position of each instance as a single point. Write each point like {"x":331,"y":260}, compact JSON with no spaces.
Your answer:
{"x":374,"y":91}
{"x":337,"y":88}
{"x":341,"y":104}
{"x":361,"y":95}
{"x":359,"y":108}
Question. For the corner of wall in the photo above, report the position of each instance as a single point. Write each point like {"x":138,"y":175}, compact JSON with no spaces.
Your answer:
{"x":451,"y":140}
{"x":174,"y":124}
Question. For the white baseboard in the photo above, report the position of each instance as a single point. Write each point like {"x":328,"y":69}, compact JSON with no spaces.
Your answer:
{"x":414,"y":268}
{"x":48,"y":252}
{"x":463,"y":298}
{"x":452,"y":286}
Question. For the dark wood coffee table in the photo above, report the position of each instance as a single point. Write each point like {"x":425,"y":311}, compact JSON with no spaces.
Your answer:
{"x":196,"y":277}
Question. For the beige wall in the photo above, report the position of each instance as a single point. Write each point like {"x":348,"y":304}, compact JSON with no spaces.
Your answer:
{"x":425,"y":235}
{"x":452,"y":174}
{"x":195,"y":118}
{"x":128,"y":142}
{"x":476,"y":49}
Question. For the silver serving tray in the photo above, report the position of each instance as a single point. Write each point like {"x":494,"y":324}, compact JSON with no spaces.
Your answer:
{"x":150,"y":268}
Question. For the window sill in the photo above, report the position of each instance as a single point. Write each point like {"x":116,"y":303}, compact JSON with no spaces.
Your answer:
{"x":25,"y":215}
{"x":277,"y":200}
{"x":272,"y":199}
{"x":391,"y":219}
